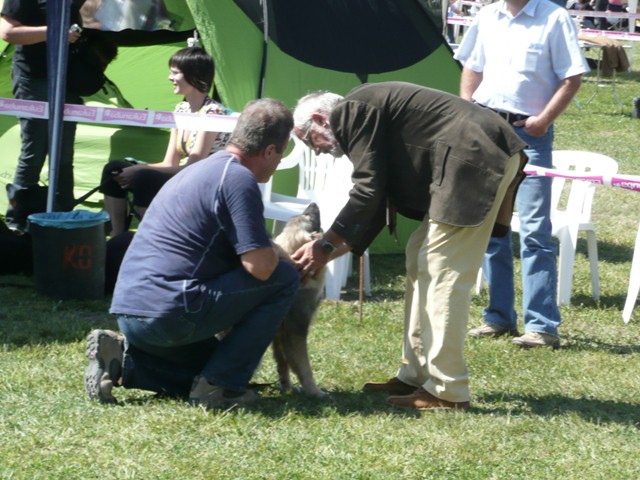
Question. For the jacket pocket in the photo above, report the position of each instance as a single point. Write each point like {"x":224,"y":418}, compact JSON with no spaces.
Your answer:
{"x":439,"y":155}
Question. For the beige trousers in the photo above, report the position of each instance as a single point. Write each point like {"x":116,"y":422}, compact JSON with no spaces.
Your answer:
{"x":442,"y":264}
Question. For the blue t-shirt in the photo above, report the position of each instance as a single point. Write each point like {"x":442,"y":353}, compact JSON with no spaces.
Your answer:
{"x":195,"y":230}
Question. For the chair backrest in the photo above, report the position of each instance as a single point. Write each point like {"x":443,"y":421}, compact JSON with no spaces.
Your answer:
{"x":577,"y":200}
{"x":325,"y":180}
{"x":292,"y":160}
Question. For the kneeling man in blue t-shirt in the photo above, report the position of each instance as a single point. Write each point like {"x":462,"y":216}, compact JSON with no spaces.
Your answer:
{"x":201,"y":263}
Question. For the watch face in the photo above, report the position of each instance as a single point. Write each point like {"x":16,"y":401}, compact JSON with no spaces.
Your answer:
{"x":327,"y":247}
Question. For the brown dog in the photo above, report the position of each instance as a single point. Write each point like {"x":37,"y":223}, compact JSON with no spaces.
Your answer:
{"x":290,"y":343}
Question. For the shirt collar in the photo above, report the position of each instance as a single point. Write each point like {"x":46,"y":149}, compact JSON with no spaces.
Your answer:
{"x":529,"y":9}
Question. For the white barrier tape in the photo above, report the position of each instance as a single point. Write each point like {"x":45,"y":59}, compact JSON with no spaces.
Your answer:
{"x":628,"y":182}
{"x":121,"y":116}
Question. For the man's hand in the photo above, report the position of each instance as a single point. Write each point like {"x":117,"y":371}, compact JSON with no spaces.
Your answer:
{"x":310,"y":258}
{"x":533,"y":126}
{"x":125,"y":177}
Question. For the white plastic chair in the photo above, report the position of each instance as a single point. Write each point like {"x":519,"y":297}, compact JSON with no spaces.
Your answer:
{"x":278,"y":207}
{"x":326,"y":181}
{"x":634,"y":282}
{"x":570,"y":214}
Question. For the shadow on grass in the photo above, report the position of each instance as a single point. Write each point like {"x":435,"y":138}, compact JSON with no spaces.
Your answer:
{"x":274,"y":404}
{"x":345,"y":403}
{"x":607,"y":251}
{"x":590,"y":409}
{"x":581,"y":343}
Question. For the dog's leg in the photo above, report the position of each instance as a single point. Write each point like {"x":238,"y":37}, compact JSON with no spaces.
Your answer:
{"x":282,"y":366}
{"x":295,"y":348}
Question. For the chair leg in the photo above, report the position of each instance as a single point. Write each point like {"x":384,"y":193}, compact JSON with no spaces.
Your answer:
{"x":592,"y":251}
{"x":479,"y":281}
{"x":634,"y":282}
{"x":336,"y":276}
{"x":566,"y":260}
{"x":367,"y":274}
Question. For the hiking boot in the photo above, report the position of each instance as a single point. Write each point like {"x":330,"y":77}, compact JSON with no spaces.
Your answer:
{"x":214,"y":396}
{"x":537,"y":339}
{"x":423,"y":400}
{"x":490,"y":330}
{"x":393,"y":386}
{"x":104,"y":351}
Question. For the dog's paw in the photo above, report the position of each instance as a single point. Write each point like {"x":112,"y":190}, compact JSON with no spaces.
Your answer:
{"x":316,"y":393}
{"x":286,"y":387}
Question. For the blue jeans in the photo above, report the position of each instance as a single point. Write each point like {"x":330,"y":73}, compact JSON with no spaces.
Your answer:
{"x":537,"y":252}
{"x":165,"y":354}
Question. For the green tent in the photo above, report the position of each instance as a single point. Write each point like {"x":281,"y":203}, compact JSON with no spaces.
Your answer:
{"x":270,"y":48}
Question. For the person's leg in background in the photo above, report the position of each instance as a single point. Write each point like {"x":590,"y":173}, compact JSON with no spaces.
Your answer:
{"x":34,"y":135}
{"x":538,"y":250}
{"x":115,"y":197}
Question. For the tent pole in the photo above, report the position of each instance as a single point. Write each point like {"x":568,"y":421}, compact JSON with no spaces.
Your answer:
{"x":265,"y":45}
{"x":58,"y":17}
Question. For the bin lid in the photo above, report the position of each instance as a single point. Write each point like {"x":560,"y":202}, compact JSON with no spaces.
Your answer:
{"x":69,"y":220}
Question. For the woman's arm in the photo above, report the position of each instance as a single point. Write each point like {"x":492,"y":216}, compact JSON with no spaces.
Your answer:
{"x":202,"y":147}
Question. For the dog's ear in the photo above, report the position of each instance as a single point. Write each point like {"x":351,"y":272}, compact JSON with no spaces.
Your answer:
{"x":313,"y":213}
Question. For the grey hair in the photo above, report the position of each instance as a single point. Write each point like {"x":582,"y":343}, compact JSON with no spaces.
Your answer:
{"x":316,"y":102}
{"x":262,"y":123}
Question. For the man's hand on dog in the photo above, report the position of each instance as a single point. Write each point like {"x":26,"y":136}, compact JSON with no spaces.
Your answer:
{"x":310,"y":258}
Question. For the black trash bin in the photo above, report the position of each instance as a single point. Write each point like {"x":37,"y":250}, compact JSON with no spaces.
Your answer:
{"x":69,"y":251}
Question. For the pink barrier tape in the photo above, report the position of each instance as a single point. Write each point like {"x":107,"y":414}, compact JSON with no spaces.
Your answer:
{"x":586,"y":32}
{"x":592,"y":13}
{"x":121,"y":116}
{"x":615,"y":35}
{"x":628,"y":182}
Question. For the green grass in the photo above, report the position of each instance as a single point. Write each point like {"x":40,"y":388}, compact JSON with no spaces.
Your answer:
{"x":572,"y":413}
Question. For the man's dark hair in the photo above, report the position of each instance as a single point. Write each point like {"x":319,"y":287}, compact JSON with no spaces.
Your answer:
{"x":262,"y":123}
{"x":196,"y":65}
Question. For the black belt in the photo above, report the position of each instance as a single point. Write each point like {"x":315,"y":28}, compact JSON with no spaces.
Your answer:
{"x":510,"y":117}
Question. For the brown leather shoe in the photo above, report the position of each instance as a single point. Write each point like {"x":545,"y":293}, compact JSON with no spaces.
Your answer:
{"x":423,"y":400}
{"x":393,"y":386}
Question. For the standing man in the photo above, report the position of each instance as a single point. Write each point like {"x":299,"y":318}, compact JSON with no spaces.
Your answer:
{"x":522,"y":60}
{"x":24,"y":24}
{"x":201,"y":291}
{"x":436,"y":158}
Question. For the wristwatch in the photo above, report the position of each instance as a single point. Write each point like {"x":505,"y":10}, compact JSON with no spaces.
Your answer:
{"x":327,"y":246}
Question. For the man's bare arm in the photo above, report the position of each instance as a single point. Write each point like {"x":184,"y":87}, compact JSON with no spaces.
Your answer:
{"x":260,"y":263}
{"x":469,"y":82}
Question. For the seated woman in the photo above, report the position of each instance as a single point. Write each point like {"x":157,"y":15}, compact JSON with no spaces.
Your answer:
{"x":191,"y":71}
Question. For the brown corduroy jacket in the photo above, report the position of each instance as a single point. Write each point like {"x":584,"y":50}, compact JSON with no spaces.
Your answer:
{"x":421,"y":151}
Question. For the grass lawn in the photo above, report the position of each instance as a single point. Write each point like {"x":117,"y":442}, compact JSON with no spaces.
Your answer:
{"x":573,"y":413}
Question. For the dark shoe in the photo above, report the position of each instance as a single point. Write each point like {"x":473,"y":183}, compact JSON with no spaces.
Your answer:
{"x":489,"y":330}
{"x":423,"y":400}
{"x":537,"y":339}
{"x":394,"y":386}
{"x":104,"y":351}
{"x":214,"y":396}
{"x":635,"y":112}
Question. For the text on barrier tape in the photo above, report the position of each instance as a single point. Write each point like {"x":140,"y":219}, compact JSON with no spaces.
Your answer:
{"x":121,"y":116}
